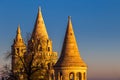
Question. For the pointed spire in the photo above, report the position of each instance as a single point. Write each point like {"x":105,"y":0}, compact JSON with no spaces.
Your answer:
{"x":18,"y":41}
{"x":70,"y":56}
{"x":39,"y":28}
{"x":18,"y":33}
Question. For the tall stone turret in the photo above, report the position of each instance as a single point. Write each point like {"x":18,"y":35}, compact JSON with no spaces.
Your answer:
{"x":70,"y":65}
{"x":18,"y":51}
{"x":41,"y":45}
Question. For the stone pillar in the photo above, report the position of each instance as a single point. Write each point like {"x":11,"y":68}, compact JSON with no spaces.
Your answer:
{"x":82,"y":75}
{"x":85,"y":75}
{"x":65,"y":75}
{"x":75,"y":76}
{"x":49,"y":77}
{"x":58,"y":76}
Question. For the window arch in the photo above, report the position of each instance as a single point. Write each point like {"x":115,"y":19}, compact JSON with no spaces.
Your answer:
{"x":48,"y":48}
{"x":59,"y":75}
{"x":18,"y":50}
{"x":42,"y":65}
{"x":79,"y":76}
{"x":71,"y":76}
{"x":40,"y":48}
{"x":49,"y":66}
{"x":52,"y":76}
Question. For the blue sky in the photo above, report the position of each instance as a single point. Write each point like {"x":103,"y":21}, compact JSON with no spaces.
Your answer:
{"x":96,"y":24}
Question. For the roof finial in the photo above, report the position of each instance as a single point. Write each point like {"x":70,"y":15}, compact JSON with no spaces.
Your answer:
{"x":39,"y":9}
{"x":18,"y":33}
{"x":69,"y":17}
{"x":18,"y":30}
{"x":18,"y":41}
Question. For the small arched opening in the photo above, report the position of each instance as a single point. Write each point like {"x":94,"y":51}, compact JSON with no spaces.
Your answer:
{"x":59,"y":75}
{"x":52,"y":76}
{"x":78,"y":76}
{"x":71,"y":76}
{"x":49,"y":66}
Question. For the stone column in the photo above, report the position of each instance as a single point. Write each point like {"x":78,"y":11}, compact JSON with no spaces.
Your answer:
{"x":58,"y":76}
{"x":82,"y":75}
{"x":65,"y":75}
{"x":85,"y":76}
{"x":74,"y":75}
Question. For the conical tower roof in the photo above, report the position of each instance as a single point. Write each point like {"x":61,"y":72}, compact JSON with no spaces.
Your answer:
{"x":39,"y":30}
{"x":18,"y":33}
{"x":18,"y":41}
{"x":70,"y":56}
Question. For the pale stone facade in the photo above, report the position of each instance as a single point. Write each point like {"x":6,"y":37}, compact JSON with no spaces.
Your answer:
{"x":70,"y":65}
{"x":18,"y":51}
{"x":41,"y":46}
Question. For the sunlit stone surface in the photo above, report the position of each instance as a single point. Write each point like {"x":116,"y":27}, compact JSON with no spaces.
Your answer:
{"x":70,"y":65}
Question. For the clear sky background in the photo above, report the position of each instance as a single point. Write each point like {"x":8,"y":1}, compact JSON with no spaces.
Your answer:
{"x":96,"y":25}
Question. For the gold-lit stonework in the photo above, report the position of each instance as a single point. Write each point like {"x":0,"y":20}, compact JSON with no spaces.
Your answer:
{"x":38,"y":53}
{"x":18,"y":50}
{"x":70,"y":65}
{"x":41,"y":46}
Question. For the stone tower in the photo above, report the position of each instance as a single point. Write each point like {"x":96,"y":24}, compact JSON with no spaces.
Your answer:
{"x":18,"y":51}
{"x":41,"y":45}
{"x":70,"y":65}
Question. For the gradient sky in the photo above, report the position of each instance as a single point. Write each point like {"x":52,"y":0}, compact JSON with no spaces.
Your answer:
{"x":96,"y":25}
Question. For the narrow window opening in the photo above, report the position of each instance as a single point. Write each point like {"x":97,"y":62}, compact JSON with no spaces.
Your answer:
{"x":17,"y":50}
{"x":79,"y":76}
{"x":48,"y":48}
{"x":40,"y":48}
{"x":71,"y":76}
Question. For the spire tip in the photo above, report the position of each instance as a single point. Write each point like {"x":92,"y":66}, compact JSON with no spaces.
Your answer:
{"x":39,"y":9}
{"x":69,"y":17}
{"x":18,"y":29}
{"x":18,"y":25}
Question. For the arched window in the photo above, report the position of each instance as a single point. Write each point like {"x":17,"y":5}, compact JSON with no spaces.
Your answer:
{"x":71,"y":76}
{"x":42,"y":65}
{"x":40,"y":48}
{"x":48,"y":48}
{"x":78,"y":76}
{"x":18,"y":50}
{"x":59,"y":76}
{"x":22,"y":50}
{"x":52,"y":76}
{"x":49,"y":65}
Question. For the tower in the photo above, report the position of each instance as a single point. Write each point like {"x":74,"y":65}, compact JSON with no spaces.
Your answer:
{"x":70,"y":65}
{"x":41,"y":45}
{"x":18,"y":51}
